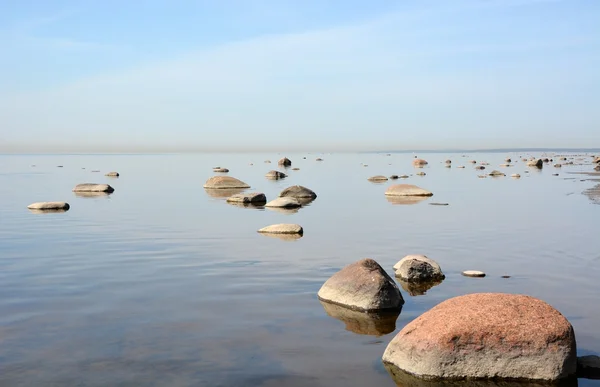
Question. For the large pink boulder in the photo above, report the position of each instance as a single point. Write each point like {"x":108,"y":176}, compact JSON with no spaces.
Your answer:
{"x":485,"y":336}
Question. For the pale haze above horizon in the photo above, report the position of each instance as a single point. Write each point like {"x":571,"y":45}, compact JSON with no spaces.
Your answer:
{"x":337,"y":75}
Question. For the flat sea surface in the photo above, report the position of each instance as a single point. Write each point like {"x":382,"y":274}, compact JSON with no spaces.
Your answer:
{"x":162,"y":284}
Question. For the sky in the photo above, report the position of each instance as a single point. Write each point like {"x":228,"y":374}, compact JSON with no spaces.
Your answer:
{"x":286,"y":75}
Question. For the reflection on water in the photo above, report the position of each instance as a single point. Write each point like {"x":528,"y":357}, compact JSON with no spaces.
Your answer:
{"x":53,"y":211}
{"x":417,"y":288}
{"x":403,"y":379}
{"x":246,"y":205}
{"x":283,"y":237}
{"x":405,"y":200}
{"x":223,"y":193}
{"x":284,"y":211}
{"x":362,"y":323}
{"x":93,"y":194}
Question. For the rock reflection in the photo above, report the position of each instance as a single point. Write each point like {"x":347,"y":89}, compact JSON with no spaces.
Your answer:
{"x":246,"y":205}
{"x":403,"y":379}
{"x":223,"y":193}
{"x":283,"y":237}
{"x":88,"y":195}
{"x":285,"y":211}
{"x":405,"y":200}
{"x":37,"y":211}
{"x":363,"y":323}
{"x":417,"y":288}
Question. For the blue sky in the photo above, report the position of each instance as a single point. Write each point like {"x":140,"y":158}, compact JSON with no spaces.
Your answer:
{"x":298,"y":75}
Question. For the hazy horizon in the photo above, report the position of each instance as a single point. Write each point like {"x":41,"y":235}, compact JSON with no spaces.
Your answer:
{"x":296,"y":76}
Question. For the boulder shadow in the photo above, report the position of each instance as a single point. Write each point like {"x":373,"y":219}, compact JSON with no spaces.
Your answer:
{"x":404,"y":379}
{"x":363,"y":323}
{"x":417,"y":288}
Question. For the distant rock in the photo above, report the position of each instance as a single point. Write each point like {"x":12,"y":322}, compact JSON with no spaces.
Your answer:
{"x":418,"y":268}
{"x":112,"y":174}
{"x":318,"y":159}
{"x":267,"y":161}
{"x":221,"y":170}
{"x":515,"y":175}
{"x":597,"y":168}
{"x":49,"y":206}
{"x":493,"y":337}
{"x":403,"y":176}
{"x":496,"y":173}
{"x":378,"y":178}
{"x":508,"y":160}
{"x":557,"y":165}
{"x":394,"y":177}
{"x":448,"y":161}
{"x":480,"y":167}
{"x":284,"y":202}
{"x":473,"y":273}
{"x":482,"y":176}
{"x":473,"y":161}
{"x":588,"y":367}
{"x":282,"y":229}
{"x":460,"y":166}
{"x":421,"y":174}
{"x":505,"y":165}
{"x":406,"y":190}
{"x":364,"y":286}
{"x":224,"y":182}
{"x":285,"y":162}
{"x":275,"y":175}
{"x":255,"y":198}
{"x":295,"y":169}
{"x":438,"y":204}
{"x":298,"y":192}
{"x":539,"y":163}
{"x":89,"y":187}
{"x":419,"y":162}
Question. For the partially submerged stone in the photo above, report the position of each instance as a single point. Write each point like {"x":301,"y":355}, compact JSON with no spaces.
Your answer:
{"x":112,"y":174}
{"x":224,"y":182}
{"x":418,"y":268}
{"x":49,"y":206}
{"x":496,"y":173}
{"x":275,"y":175}
{"x":421,"y":174}
{"x":394,"y":177}
{"x":364,"y":286}
{"x":539,"y":163}
{"x":221,"y":170}
{"x":515,"y":175}
{"x":285,"y":202}
{"x":406,"y":190}
{"x":285,"y":162}
{"x":378,"y":178}
{"x":419,"y":162}
{"x":90,"y":187}
{"x":486,"y":336}
{"x":282,"y":229}
{"x":256,"y":198}
{"x":298,"y":192}
{"x":473,"y":273}
{"x":480,"y":167}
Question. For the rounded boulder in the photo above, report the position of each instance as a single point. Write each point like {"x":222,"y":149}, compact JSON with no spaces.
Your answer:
{"x":418,"y":268}
{"x":364,"y":286}
{"x":224,"y":182}
{"x":487,"y":336}
{"x":298,"y":192}
{"x":406,"y":190}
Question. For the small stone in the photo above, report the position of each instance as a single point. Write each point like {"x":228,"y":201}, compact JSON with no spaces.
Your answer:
{"x":555,"y":174}
{"x":221,"y":170}
{"x":505,"y":165}
{"x":406,"y":190}
{"x":480,"y":167}
{"x":515,"y":175}
{"x":282,"y":229}
{"x":319,"y":159}
{"x":112,"y":174}
{"x":295,"y":169}
{"x":419,"y":162}
{"x":377,"y":178}
{"x":557,"y":165}
{"x":88,"y":187}
{"x":267,"y":161}
{"x":473,"y":162}
{"x":224,"y":182}
{"x":298,"y":192}
{"x":49,"y":206}
{"x":421,"y":174}
{"x":403,"y":176}
{"x":536,"y":163}
{"x":508,"y":160}
{"x":418,"y":268}
{"x":473,"y":273}
{"x":394,"y":177}
{"x":482,"y":176}
{"x":275,"y":175}
{"x":284,"y":202}
{"x":364,"y":286}
{"x":496,"y":173}
{"x":256,"y":198}
{"x":448,"y":161}
{"x":438,"y":204}
{"x":461,"y":166}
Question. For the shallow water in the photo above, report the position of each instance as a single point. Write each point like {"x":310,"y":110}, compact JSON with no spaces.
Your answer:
{"x":161,"y":283}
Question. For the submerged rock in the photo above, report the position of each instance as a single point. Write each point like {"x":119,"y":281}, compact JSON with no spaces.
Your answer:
{"x":275,"y":175}
{"x":282,"y":229}
{"x":224,"y":182}
{"x":256,"y":198}
{"x":364,"y":286}
{"x":90,"y":187}
{"x":486,"y":336}
{"x":112,"y":174}
{"x":298,"y":192}
{"x":418,"y":268}
{"x":49,"y":206}
{"x":285,"y":202}
{"x":406,"y":190}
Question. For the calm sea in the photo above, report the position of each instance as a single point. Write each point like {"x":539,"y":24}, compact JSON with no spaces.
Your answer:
{"x":162,"y":284}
